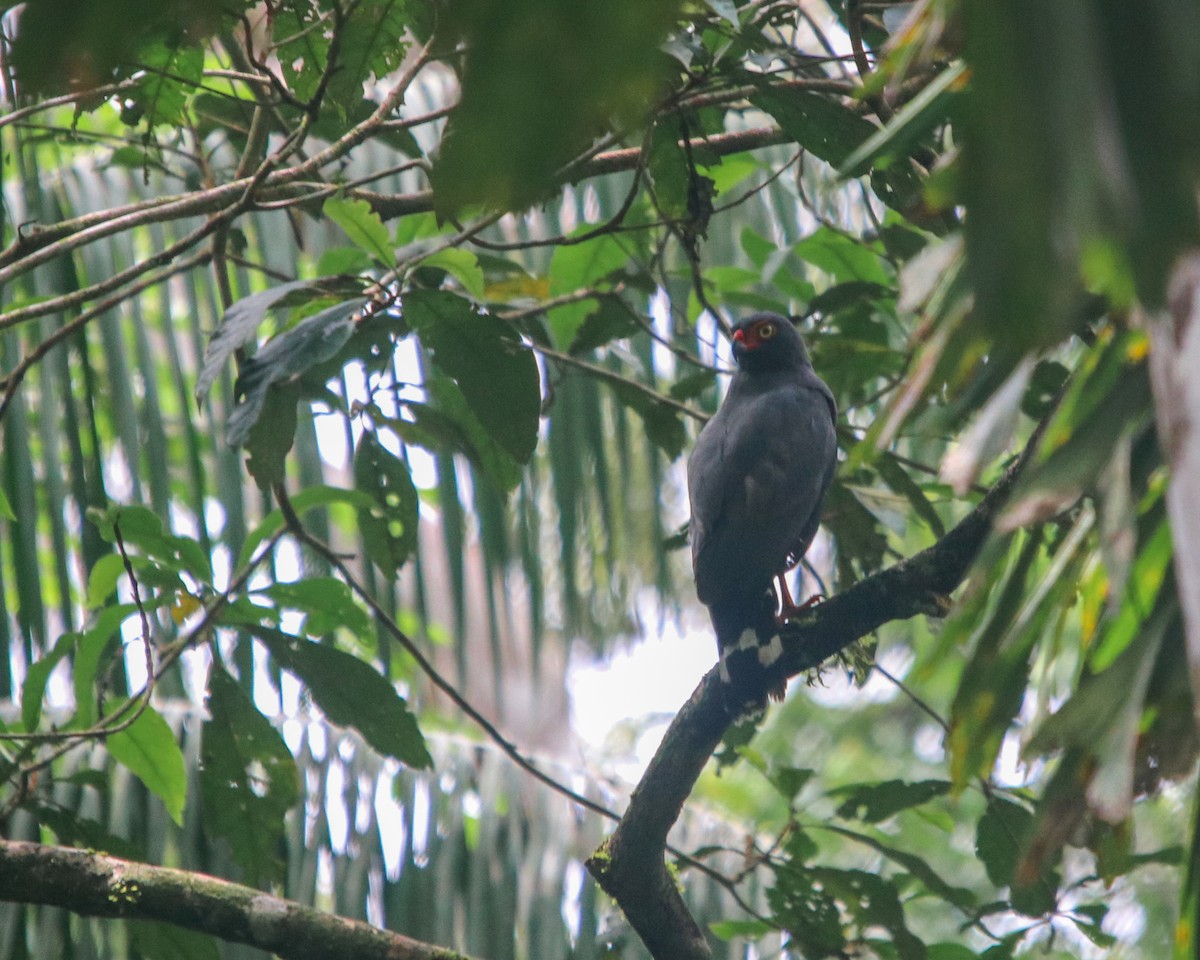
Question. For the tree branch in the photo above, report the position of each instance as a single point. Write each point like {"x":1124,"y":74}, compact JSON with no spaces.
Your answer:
{"x":630,"y":865}
{"x":96,"y":885}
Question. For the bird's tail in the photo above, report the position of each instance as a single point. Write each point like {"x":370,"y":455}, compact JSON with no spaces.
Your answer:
{"x":746,"y":628}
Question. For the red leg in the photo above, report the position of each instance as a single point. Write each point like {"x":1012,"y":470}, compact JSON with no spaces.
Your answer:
{"x":788,"y":607}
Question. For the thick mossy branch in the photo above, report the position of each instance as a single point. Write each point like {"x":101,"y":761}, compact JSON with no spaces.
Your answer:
{"x":632,"y":870}
{"x":96,"y":885}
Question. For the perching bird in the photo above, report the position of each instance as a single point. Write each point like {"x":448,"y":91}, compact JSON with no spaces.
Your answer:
{"x":757,"y":478}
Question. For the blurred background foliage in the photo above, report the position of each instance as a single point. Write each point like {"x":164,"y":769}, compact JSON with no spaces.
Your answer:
{"x":446,"y":282}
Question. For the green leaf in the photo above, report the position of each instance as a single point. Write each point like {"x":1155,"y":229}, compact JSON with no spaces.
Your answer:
{"x":102,"y":581}
{"x":149,"y":750}
{"x":450,"y":424}
{"x":353,"y":694}
{"x":248,"y":780}
{"x":271,"y":435}
{"x":807,"y":912}
{"x":610,"y":320}
{"x":74,"y":830}
{"x":33,"y":690}
{"x":919,"y":868}
{"x":999,"y":838}
{"x":950,"y":951}
{"x":142,"y":530}
{"x":265,"y":419}
{"x":94,"y":643}
{"x":663,"y":423}
{"x":820,"y":124}
{"x":173,"y":72}
{"x":875,"y":802}
{"x":363,"y":226}
{"x":844,"y":258}
{"x":327,"y":603}
{"x":389,"y":524}
{"x":241,"y":321}
{"x":461,"y":264}
{"x":993,"y":682}
{"x":746,"y":929}
{"x":540,"y":81}
{"x":373,"y":42}
{"x":498,"y":377}
{"x":789,"y":781}
{"x":578,"y":266}
{"x":897,"y":478}
{"x":913,"y":121}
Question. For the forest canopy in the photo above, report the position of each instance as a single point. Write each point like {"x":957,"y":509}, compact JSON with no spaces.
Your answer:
{"x":350,"y":355}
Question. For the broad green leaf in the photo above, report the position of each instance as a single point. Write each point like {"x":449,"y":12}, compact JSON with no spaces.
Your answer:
{"x":353,"y":694}
{"x":271,"y":435}
{"x":148,"y":748}
{"x":102,"y":581}
{"x":143,"y":532}
{"x":449,"y":423}
{"x":578,"y":266}
{"x":917,"y":866}
{"x":999,"y":838}
{"x":789,"y":781}
{"x":611,"y":319}
{"x":327,"y":602}
{"x":844,"y":258}
{"x":34,"y":688}
{"x":994,"y":679}
{"x":389,"y":524}
{"x":950,"y":951}
{"x":94,"y":643}
{"x":173,"y":71}
{"x":373,"y":43}
{"x":819,"y":124}
{"x":265,"y":419}
{"x":51,"y":50}
{"x":681,"y":193}
{"x":807,"y":912}
{"x":541,"y":79}
{"x":248,"y":780}
{"x":915,"y":120}
{"x":461,"y":264}
{"x":663,"y":423}
{"x":746,"y":929}
{"x":898,"y":479}
{"x":497,"y":375}
{"x":241,"y":321}
{"x":875,"y":802}
{"x":582,"y":266}
{"x":362,"y":225}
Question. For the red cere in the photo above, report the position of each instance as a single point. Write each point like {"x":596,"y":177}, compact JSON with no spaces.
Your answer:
{"x":739,"y":336}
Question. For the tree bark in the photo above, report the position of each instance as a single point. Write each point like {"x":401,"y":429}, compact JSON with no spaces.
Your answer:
{"x":97,"y":885}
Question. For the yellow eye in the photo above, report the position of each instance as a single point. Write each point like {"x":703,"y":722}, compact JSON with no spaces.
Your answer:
{"x":766,"y":330}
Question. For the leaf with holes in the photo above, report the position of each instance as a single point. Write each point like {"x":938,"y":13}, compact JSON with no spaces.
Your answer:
{"x":389,"y":525}
{"x":248,"y":780}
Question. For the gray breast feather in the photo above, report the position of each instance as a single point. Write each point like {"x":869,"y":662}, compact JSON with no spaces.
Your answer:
{"x":756,"y":480}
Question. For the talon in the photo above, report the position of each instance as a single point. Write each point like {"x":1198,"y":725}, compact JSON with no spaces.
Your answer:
{"x":791,"y":610}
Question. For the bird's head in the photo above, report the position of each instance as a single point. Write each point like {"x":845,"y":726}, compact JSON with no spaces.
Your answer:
{"x":767,"y":341}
